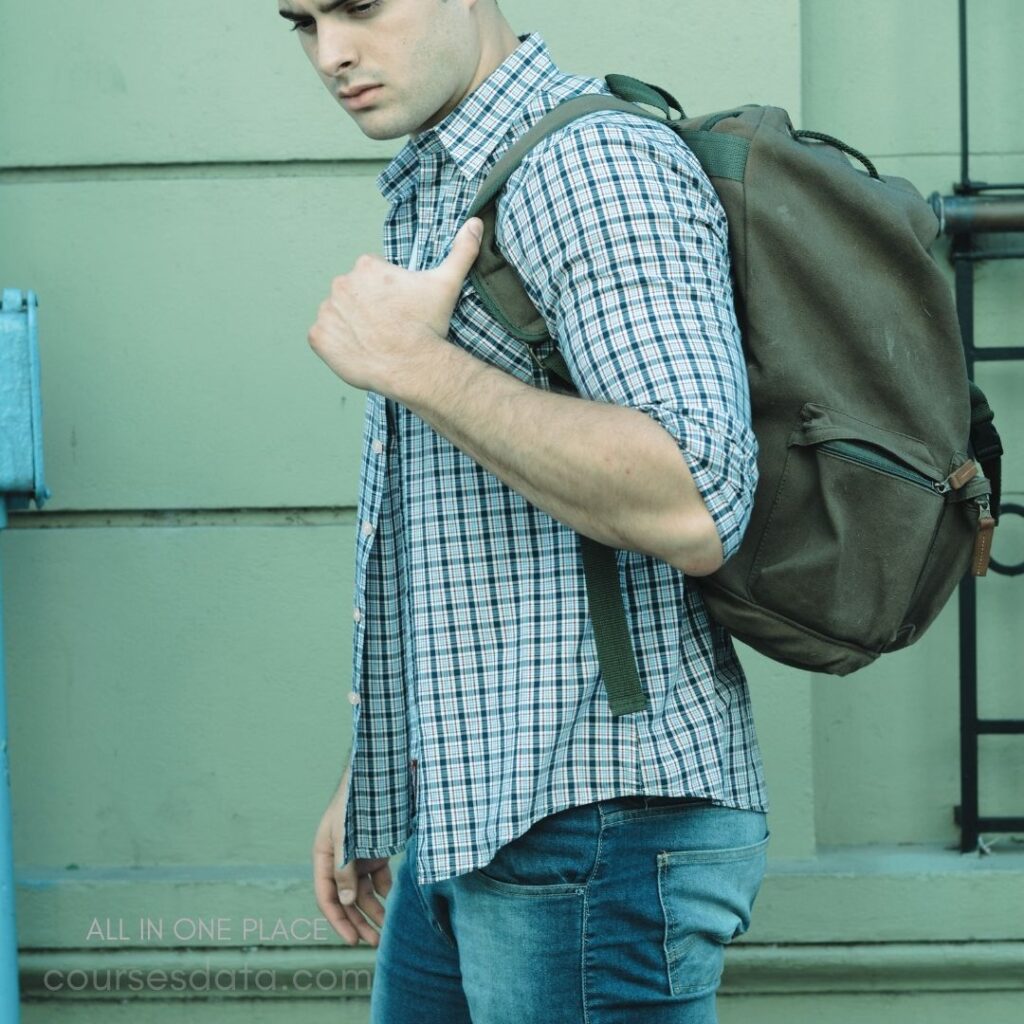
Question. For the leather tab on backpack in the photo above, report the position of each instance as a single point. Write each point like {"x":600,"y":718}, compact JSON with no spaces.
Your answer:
{"x":983,"y":546}
{"x":963,"y":474}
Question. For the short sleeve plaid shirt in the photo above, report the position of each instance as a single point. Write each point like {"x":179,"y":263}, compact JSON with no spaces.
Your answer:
{"x":477,"y":700}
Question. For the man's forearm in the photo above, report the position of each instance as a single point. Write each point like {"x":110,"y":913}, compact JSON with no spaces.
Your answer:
{"x":609,"y":472}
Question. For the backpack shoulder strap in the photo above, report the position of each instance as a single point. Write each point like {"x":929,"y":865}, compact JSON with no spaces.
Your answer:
{"x":497,"y":283}
{"x":502,"y":292}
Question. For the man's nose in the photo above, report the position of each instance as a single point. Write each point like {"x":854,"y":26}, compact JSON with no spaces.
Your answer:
{"x":334,"y":48}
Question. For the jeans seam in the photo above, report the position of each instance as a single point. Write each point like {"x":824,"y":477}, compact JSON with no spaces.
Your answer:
{"x":586,"y":916}
{"x":426,"y":909}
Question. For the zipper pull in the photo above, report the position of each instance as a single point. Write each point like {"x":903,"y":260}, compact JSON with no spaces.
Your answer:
{"x":983,"y":539}
{"x":963,"y":474}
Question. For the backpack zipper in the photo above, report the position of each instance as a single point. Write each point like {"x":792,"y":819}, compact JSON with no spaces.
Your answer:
{"x":874,"y":459}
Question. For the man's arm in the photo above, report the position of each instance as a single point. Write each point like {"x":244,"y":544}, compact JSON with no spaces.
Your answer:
{"x":621,"y":243}
{"x":607,"y":471}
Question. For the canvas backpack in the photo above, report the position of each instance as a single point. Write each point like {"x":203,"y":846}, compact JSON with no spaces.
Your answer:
{"x":870,"y":504}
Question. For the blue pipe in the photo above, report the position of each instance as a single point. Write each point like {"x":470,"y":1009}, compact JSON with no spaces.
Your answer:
{"x":21,"y":480}
{"x":9,"y":995}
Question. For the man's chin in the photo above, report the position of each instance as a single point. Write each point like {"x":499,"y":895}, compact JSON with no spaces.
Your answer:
{"x":378,"y":130}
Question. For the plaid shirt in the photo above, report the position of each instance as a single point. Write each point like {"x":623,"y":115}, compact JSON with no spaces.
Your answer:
{"x":477,"y":699}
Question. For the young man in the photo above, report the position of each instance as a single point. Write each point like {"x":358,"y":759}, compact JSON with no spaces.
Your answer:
{"x":556,"y":856}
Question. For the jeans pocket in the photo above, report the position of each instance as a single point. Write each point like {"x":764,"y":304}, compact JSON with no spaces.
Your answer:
{"x":555,"y":856}
{"x":707,"y":897}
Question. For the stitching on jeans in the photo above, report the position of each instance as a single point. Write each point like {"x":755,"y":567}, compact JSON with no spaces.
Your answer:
{"x":586,"y":915}
{"x":668,"y":919}
{"x":435,"y":924}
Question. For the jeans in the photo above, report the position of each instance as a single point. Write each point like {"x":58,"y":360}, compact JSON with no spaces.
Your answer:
{"x":605,"y":913}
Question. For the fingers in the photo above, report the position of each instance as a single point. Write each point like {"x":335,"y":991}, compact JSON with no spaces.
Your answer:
{"x":382,"y":879}
{"x":326,"y":891}
{"x":347,"y":914}
{"x":360,"y":903}
{"x":367,"y":901}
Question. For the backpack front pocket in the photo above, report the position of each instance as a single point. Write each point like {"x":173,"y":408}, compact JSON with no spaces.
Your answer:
{"x":854,"y":517}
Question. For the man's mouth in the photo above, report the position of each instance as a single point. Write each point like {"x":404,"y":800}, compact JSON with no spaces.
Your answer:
{"x":358,"y":96}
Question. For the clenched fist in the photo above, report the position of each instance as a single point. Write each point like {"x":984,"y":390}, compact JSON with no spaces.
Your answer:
{"x":368,"y":330}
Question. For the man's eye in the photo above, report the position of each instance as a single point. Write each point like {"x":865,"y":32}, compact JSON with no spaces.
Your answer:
{"x":364,"y":8}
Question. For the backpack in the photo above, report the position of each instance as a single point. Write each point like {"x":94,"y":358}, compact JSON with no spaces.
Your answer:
{"x":869,"y":507}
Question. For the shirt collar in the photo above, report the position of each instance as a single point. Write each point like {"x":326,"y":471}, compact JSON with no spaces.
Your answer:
{"x":471,"y":131}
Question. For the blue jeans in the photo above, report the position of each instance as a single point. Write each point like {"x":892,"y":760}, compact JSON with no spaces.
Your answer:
{"x":606,"y":913}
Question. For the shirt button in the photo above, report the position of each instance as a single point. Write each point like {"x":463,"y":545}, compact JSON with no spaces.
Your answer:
{"x":367,"y":529}
{"x":353,"y":697}
{"x":378,"y":445}
{"x":357,"y":615}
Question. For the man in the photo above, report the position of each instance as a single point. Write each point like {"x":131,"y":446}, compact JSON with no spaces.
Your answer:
{"x":561,"y":863}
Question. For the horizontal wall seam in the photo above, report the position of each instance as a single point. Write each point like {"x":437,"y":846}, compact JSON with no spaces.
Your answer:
{"x":214,"y":170}
{"x":304,"y":972}
{"x":91,"y":519}
{"x":231,"y":169}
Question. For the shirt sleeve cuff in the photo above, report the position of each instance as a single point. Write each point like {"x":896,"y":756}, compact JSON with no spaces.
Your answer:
{"x":724,"y":469}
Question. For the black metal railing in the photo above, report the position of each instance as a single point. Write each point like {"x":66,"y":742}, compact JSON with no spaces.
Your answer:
{"x":978,"y":210}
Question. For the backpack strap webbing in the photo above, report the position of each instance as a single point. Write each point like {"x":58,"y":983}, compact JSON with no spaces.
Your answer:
{"x":501,"y":291}
{"x":494,"y":280}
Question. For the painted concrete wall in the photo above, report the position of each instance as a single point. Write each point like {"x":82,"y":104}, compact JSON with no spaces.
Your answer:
{"x":179,"y":190}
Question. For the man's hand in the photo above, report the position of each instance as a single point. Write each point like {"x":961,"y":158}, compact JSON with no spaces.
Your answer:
{"x":378,"y":313}
{"x":347,"y":894}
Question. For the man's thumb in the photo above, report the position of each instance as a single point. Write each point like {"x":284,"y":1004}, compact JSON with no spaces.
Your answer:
{"x":466,"y":247}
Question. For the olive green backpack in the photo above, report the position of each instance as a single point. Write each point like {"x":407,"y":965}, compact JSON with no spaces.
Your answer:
{"x":870,"y":506}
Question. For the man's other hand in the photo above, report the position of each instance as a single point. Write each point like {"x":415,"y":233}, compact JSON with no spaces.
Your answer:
{"x":347,"y":894}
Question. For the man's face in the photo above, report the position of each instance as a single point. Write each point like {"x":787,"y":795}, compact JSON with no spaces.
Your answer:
{"x":423,"y":56}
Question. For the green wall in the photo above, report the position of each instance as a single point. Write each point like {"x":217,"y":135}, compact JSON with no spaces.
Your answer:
{"x":179,"y":190}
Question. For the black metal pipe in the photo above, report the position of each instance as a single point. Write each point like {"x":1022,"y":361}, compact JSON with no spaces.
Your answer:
{"x":1001,"y":824}
{"x":967,"y":817}
{"x":960,"y":215}
{"x":965,"y":149}
{"x":993,"y":355}
{"x":981,"y":255}
{"x":993,"y":726}
{"x":984,"y":186}
{"x":966,"y":812}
